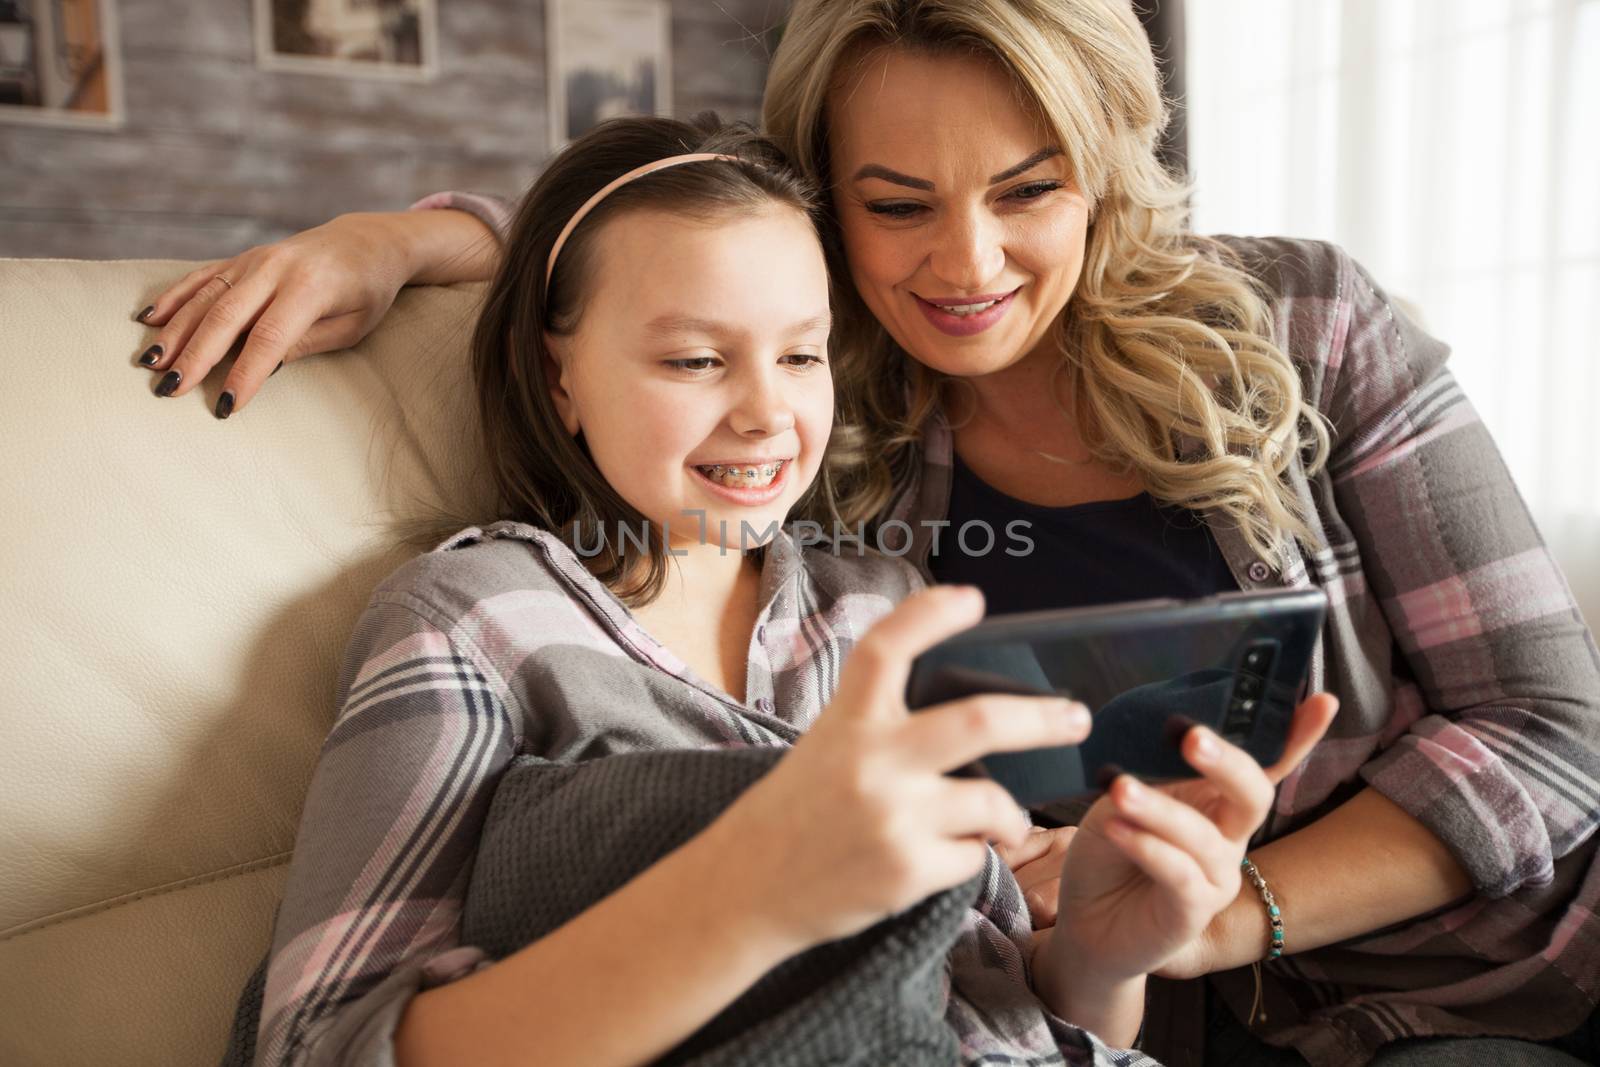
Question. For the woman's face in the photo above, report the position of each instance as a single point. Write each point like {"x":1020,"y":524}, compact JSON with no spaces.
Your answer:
{"x":961,"y":222}
{"x":698,"y":371}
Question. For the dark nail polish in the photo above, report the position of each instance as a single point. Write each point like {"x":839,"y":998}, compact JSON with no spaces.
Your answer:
{"x":169,"y":383}
{"x":1106,"y":775}
{"x":225,"y":404}
{"x":1176,"y":728}
{"x":151,"y":354}
{"x":145,"y":313}
{"x":276,"y":369}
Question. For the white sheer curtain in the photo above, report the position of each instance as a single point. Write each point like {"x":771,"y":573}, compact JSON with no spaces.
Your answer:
{"x":1453,"y":147}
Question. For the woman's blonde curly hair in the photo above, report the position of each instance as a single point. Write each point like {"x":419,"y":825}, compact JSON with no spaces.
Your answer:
{"x":1167,"y":347}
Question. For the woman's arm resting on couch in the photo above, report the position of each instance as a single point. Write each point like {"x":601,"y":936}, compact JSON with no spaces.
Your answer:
{"x":318,"y":291}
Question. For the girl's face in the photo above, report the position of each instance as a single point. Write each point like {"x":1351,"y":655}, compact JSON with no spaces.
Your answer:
{"x":962,"y":225}
{"x":698,"y":371}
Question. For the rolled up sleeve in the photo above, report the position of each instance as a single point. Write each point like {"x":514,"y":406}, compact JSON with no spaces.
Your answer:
{"x":495,"y":212}
{"x":1502,"y":763}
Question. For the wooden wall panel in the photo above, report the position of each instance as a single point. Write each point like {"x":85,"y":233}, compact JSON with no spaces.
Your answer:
{"x":216,"y":155}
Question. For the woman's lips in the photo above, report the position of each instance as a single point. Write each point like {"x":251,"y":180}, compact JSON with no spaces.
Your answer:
{"x":965,"y":325}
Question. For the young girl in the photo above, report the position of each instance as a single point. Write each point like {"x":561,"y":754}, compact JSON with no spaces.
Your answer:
{"x":652,"y":368}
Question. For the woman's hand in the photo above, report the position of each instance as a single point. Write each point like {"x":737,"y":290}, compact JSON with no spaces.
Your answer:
{"x":318,"y":291}
{"x":1036,"y":864}
{"x":860,"y":820}
{"x":1151,"y":867}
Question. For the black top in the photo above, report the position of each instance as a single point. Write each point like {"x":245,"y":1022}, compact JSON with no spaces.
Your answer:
{"x":1099,"y":553}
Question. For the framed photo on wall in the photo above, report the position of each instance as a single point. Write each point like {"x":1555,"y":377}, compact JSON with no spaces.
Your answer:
{"x":60,"y":63}
{"x":607,"y":58}
{"x":350,"y":38}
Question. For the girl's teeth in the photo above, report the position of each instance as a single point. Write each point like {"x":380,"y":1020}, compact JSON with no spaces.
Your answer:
{"x":742,"y":477}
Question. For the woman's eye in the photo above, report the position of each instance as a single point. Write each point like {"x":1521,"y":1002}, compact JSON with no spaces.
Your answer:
{"x":1034,"y":190}
{"x":804,"y":359}
{"x":897,"y":209}
{"x":694,"y":363}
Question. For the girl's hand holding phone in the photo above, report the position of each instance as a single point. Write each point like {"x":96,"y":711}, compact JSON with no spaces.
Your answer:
{"x":860,"y":820}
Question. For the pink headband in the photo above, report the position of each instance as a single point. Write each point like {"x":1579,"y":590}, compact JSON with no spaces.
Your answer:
{"x":612,"y":186}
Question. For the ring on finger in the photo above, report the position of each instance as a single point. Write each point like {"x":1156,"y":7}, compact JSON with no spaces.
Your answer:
{"x":224,"y":280}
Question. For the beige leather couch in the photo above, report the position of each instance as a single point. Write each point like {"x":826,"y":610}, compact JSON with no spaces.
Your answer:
{"x":177,"y":593}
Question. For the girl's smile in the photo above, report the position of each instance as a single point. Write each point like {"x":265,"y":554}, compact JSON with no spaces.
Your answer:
{"x":750,"y":483}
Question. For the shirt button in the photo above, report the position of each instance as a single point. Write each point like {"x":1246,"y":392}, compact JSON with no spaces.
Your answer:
{"x":761,"y":634}
{"x":1259,"y":572}
{"x":764,"y":706}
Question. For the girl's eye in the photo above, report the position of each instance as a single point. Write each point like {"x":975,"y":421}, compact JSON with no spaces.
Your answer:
{"x":895,"y":209}
{"x":1034,"y":190}
{"x":804,"y":359}
{"x":694,"y":363}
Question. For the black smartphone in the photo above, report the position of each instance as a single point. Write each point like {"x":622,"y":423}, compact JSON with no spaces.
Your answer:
{"x":1236,"y":662}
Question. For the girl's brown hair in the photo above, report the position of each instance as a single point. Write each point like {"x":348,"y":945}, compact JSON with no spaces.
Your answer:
{"x":543,"y":475}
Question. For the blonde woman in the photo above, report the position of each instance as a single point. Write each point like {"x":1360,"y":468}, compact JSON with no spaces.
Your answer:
{"x":1026,"y":332}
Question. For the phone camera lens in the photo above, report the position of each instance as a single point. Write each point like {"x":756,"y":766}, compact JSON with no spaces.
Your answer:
{"x":1248,"y":686}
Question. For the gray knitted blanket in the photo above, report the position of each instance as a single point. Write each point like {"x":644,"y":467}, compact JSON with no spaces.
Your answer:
{"x":560,"y":837}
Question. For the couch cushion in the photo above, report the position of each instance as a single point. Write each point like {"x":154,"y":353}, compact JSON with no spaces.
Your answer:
{"x":178,"y":592}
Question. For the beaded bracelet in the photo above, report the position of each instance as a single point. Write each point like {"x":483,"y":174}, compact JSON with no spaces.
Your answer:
{"x":1275,"y":945}
{"x":1274,"y":913}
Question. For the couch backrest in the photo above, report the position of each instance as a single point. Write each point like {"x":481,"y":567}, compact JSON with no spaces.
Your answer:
{"x":177,"y":595}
